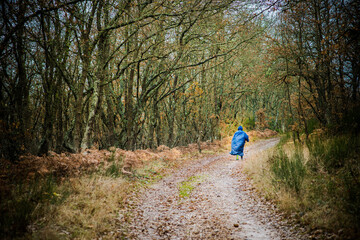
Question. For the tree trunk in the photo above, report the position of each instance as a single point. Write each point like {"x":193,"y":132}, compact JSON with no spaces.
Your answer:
{"x":22,"y":113}
{"x":48,"y":85}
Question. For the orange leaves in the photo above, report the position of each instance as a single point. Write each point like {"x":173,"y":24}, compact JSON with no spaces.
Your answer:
{"x":261,"y":118}
{"x":194,"y":91}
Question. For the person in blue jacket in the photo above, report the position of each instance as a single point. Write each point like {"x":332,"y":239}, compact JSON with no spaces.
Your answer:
{"x":238,"y":143}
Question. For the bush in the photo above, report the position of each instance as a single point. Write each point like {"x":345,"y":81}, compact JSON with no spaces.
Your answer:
{"x":288,"y":171}
{"x":312,"y":124}
{"x":332,"y":154}
{"x":26,"y":202}
{"x":248,"y":123}
{"x":319,"y":181}
{"x":114,"y":170}
{"x":284,"y":139}
{"x":351,"y":183}
{"x":334,"y":164}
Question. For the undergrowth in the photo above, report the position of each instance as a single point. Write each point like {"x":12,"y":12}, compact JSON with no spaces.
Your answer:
{"x":319,"y":182}
{"x":82,"y":207}
{"x":288,"y":171}
{"x":85,"y":206}
{"x":96,"y":200}
{"x":28,"y":201}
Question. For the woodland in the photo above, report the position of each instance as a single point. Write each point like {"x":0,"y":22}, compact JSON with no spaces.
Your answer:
{"x":139,"y":74}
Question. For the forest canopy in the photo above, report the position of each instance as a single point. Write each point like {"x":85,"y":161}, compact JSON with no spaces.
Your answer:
{"x":139,"y":74}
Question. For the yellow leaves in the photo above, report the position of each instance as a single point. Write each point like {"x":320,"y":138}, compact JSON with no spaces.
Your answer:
{"x":195,"y":90}
{"x":193,"y":94}
{"x":53,"y":194}
{"x":162,"y":116}
{"x":294,"y":126}
{"x":57,"y":194}
{"x":198,"y":91}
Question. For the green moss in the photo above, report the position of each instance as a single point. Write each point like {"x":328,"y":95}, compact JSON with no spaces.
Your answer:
{"x":186,"y":187}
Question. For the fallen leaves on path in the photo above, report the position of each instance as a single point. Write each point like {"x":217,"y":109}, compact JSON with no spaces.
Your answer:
{"x":223,"y":205}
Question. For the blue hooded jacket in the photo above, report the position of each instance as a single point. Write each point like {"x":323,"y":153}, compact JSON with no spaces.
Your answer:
{"x":238,"y":142}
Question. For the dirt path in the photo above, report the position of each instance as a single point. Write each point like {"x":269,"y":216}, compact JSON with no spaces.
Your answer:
{"x":222,"y":204}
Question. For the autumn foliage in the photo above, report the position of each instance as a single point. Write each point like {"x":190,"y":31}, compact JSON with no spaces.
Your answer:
{"x":83,"y":82}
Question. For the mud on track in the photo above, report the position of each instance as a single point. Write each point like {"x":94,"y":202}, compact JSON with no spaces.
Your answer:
{"x":222,"y":204}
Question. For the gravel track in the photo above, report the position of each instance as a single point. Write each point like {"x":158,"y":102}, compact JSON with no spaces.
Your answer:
{"x":222,"y":205}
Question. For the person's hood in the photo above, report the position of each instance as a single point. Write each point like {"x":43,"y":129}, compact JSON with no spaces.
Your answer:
{"x":240,"y":128}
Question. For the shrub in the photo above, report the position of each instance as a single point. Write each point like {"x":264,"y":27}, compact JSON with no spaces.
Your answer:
{"x":320,"y":181}
{"x":114,"y":170}
{"x":332,"y":154}
{"x":249,"y":123}
{"x":334,"y":164}
{"x":351,"y":196}
{"x":288,"y":171}
{"x":28,"y":201}
{"x":312,"y":124}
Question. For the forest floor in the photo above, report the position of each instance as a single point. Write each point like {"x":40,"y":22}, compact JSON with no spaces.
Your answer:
{"x":210,"y":198}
